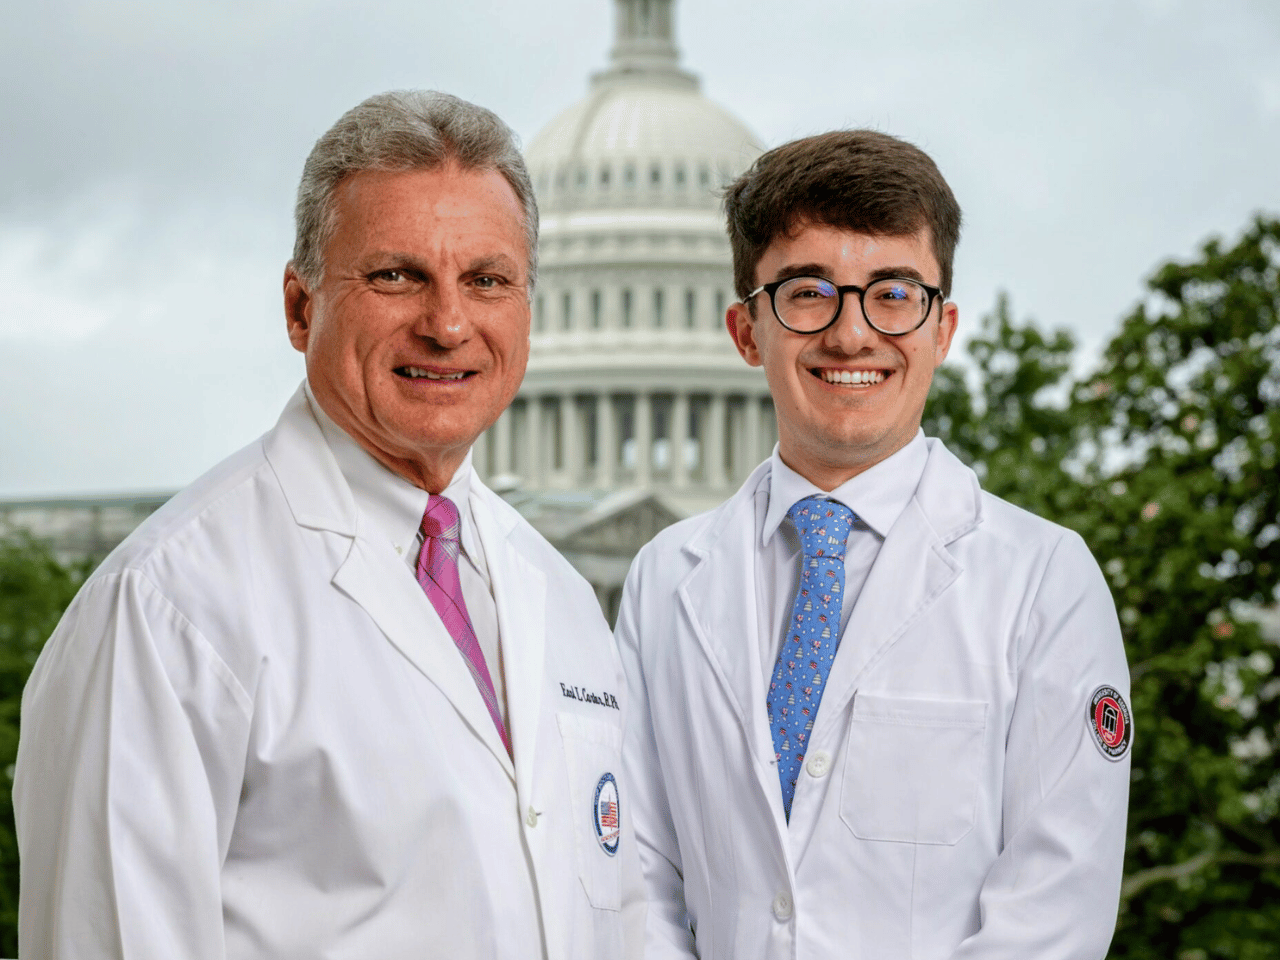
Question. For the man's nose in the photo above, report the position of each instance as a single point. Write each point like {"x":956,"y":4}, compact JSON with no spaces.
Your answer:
{"x":851,"y":332}
{"x":442,"y":317}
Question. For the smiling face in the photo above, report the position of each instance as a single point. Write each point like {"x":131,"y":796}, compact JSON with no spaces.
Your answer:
{"x":847,"y":397}
{"x":417,"y":336}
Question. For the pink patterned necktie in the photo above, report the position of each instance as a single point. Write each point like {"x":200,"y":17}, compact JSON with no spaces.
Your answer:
{"x":438,"y":575}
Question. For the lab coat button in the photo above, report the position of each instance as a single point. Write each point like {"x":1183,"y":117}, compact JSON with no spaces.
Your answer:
{"x":531,"y":818}
{"x":818,"y":764}
{"x":782,"y":907}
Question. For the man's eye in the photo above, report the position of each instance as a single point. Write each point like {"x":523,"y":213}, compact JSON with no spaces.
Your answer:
{"x":486,"y":282}
{"x":388,"y":276}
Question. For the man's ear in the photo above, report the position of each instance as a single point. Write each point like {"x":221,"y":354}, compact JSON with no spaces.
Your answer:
{"x":297,"y":308}
{"x":742,"y":328}
{"x":947,"y":324}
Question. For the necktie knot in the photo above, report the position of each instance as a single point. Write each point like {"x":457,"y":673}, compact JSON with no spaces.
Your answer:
{"x":823,"y":526}
{"x":440,"y":522}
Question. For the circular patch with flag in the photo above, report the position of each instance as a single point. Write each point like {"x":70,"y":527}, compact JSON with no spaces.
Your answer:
{"x":605,"y":813}
{"x":1110,"y":722}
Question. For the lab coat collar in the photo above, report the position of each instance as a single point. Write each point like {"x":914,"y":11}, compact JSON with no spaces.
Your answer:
{"x":377,"y":579}
{"x":308,"y":472}
{"x":877,"y":496}
{"x":388,"y":506}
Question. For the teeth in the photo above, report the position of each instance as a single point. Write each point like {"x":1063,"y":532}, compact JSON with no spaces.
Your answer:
{"x":428,"y":375}
{"x":853,"y":376}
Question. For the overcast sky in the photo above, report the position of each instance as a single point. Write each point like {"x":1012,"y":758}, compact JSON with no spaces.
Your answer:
{"x":149,"y":150}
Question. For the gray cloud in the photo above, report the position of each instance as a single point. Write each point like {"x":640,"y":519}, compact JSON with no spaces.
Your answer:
{"x":152,"y":149}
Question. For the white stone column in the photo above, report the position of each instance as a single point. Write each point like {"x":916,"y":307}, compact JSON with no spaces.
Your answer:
{"x":679,"y":437}
{"x":644,"y":438}
{"x":571,"y":439}
{"x":534,"y":443}
{"x":502,"y":444}
{"x":480,"y":454}
{"x":606,"y":441}
{"x":714,"y":443}
{"x":751,"y":431}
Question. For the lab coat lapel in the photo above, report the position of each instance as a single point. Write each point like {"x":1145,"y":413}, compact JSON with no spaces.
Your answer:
{"x":520,"y":592}
{"x":384,"y":586}
{"x":719,"y":597}
{"x":913,"y":569}
{"x":371,"y":574}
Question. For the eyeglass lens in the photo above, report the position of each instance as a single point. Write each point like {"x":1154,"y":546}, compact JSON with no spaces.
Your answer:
{"x":892,"y":305}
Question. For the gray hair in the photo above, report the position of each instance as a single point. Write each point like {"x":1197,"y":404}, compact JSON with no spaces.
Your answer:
{"x":405,"y":130}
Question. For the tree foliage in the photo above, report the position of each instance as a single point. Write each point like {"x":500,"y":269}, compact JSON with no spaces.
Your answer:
{"x":1164,"y":459}
{"x":34,"y":590}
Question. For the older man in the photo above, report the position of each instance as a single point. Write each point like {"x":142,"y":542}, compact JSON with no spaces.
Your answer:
{"x":880,"y":714}
{"x":312,"y":708}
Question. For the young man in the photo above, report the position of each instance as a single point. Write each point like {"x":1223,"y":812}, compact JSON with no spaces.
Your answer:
{"x":880,"y":713}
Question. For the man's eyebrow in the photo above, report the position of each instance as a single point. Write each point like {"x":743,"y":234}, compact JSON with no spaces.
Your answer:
{"x":906,"y":273}
{"x":802,"y":270}
{"x":498,"y":261}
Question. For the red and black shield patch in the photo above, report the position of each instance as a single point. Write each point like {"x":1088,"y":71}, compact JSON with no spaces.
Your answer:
{"x":1110,"y":722}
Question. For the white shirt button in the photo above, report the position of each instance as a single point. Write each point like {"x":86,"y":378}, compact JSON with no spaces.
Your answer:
{"x":782,"y":907}
{"x":531,"y":818}
{"x":818,"y":763}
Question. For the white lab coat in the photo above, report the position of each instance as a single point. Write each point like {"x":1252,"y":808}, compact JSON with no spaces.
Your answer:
{"x":953,"y":802}
{"x":251,"y":736}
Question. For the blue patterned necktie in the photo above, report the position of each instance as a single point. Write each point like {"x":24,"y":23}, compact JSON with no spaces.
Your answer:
{"x":813,"y":632}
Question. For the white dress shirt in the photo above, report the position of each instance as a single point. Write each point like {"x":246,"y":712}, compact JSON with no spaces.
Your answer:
{"x":876,"y":496}
{"x":391,"y":509}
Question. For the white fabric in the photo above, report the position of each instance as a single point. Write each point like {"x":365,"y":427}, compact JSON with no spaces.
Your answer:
{"x":251,"y":736}
{"x":953,"y":803}
{"x":877,"y":497}
{"x":394,"y":507}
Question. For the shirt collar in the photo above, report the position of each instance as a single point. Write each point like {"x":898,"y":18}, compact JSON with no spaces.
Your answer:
{"x":877,"y":496}
{"x":389,"y":506}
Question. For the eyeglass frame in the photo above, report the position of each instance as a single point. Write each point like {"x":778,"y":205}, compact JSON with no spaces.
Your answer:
{"x":935,"y":293}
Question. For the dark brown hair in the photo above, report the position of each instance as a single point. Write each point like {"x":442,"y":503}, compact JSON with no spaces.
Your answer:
{"x":858,"y":180}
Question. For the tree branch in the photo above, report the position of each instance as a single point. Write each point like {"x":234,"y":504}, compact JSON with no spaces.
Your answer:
{"x":1135,"y":883}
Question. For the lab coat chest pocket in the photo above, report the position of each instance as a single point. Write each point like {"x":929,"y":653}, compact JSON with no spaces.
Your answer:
{"x":912,"y":769}
{"x":593,"y":755}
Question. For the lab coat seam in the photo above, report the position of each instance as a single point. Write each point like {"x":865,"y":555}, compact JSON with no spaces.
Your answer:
{"x":219,"y":666}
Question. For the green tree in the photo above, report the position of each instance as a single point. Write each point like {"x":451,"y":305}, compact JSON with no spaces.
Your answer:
{"x":34,"y":590}
{"x":1164,"y":459}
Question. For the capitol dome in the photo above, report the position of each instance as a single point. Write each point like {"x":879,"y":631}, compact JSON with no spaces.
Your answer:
{"x":634,"y":388}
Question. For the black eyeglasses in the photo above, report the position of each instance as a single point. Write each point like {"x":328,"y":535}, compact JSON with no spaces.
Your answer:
{"x":893,"y":306}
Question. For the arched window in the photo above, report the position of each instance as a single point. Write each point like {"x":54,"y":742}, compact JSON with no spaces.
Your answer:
{"x":595,"y":309}
{"x":626,"y":308}
{"x":690,"y":307}
{"x":659,"y":302}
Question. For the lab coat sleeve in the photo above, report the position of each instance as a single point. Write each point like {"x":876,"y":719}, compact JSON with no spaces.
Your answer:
{"x":129,"y":772}
{"x":1053,"y":892}
{"x":667,"y":933}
